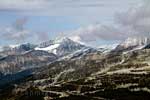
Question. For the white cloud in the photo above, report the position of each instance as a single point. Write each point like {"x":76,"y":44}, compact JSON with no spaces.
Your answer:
{"x":22,"y":5}
{"x":85,"y":11}
{"x":64,"y":7}
{"x":135,"y":21}
{"x":42,"y":36}
{"x":13,"y":35}
{"x":16,"y":31}
{"x":98,"y":32}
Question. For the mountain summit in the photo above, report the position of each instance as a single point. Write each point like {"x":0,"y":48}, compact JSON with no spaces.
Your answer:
{"x":60,"y":46}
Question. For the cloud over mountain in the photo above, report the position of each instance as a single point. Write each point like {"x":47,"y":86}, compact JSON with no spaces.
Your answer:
{"x":16,"y":31}
{"x":134,"y":21}
{"x":98,"y":31}
{"x":137,"y":19}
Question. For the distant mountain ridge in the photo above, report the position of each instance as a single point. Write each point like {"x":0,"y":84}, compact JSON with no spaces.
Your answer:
{"x":15,"y":63}
{"x":133,"y":43}
{"x":17,"y":49}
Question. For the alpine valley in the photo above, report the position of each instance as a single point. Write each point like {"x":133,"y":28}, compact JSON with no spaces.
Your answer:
{"x":63,"y":69}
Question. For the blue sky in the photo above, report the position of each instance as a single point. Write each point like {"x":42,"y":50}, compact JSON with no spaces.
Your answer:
{"x":89,"y":21}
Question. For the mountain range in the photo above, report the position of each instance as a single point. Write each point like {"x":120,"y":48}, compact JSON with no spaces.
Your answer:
{"x":63,"y":69}
{"x":15,"y":58}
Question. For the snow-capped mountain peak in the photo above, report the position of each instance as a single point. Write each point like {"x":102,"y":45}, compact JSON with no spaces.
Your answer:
{"x":135,"y":41}
{"x":60,"y":46}
{"x":63,"y":39}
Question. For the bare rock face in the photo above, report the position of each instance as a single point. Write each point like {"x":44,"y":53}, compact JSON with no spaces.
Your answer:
{"x":32,"y":59}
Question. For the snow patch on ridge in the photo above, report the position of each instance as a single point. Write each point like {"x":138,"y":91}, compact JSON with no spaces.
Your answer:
{"x":51,"y":48}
